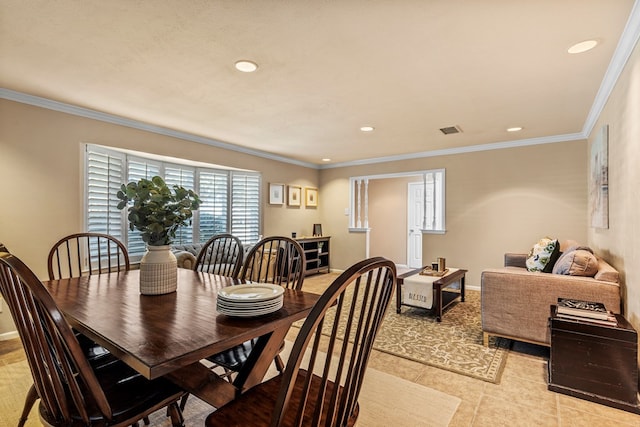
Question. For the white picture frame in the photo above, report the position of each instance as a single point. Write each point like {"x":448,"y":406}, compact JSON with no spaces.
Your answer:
{"x":276,"y":194}
{"x":294,"y":194}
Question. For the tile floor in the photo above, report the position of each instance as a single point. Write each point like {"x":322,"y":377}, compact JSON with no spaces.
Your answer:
{"x":521,"y":398}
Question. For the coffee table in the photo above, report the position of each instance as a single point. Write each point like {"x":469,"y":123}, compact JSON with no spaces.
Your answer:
{"x":430,"y":292}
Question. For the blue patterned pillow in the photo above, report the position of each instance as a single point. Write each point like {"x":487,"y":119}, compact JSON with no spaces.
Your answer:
{"x":543,"y":255}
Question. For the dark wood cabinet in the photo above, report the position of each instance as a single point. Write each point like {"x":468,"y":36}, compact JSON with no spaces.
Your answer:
{"x":595,"y":362}
{"x":317,"y":253}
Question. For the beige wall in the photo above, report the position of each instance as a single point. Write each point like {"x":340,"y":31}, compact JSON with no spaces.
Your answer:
{"x":621,"y":241}
{"x":41,"y":165}
{"x":496,"y":201}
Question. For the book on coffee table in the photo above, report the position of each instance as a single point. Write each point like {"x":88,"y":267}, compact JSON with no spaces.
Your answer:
{"x":587,"y":309}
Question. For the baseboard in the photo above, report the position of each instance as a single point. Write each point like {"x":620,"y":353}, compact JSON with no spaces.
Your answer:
{"x":9,"y":335}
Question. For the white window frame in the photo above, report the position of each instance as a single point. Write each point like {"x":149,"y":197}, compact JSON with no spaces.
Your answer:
{"x":359,"y":200}
{"x":249,"y":234}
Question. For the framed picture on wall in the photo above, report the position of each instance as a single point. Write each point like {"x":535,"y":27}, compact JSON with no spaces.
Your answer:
{"x":311,"y":197}
{"x":599,"y":179}
{"x":294,"y":194}
{"x":276,"y":194}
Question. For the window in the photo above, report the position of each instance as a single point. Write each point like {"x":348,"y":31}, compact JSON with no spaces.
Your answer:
{"x":432,"y":199}
{"x":230,"y":198}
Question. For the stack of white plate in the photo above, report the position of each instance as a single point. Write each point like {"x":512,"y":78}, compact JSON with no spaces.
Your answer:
{"x":250,"y":300}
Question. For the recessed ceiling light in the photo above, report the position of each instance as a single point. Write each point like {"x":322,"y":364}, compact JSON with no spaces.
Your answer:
{"x":514,"y":129}
{"x":583,"y":46}
{"x":367,"y":128}
{"x":326,"y":160}
{"x":246,"y":66}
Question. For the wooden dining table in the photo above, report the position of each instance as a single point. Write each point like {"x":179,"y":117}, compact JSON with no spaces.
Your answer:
{"x":167,"y":335}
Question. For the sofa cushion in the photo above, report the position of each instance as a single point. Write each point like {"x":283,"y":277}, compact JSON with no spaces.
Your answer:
{"x":543,"y":255}
{"x":577,"y":262}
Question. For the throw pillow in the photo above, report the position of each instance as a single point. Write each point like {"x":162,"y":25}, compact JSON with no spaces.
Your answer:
{"x":543,"y":255}
{"x":578,"y":262}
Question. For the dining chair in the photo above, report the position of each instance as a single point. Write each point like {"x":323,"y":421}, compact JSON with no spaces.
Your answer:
{"x":77,"y":255}
{"x":322,"y":389}
{"x":277,"y":260}
{"x":84,"y":254}
{"x":222,"y":254}
{"x":72,"y":392}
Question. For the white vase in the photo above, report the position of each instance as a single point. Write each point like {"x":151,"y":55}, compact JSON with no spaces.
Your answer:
{"x":158,"y":271}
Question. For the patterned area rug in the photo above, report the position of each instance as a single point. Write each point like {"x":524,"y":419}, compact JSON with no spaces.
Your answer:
{"x":455,"y":344}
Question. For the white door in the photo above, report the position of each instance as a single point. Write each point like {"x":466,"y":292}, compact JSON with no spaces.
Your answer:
{"x":415,"y":209}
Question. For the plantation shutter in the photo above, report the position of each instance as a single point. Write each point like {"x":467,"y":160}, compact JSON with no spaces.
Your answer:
{"x":230,"y":199}
{"x":214,"y":209}
{"x":245,"y":206}
{"x":105,"y":174}
{"x":184,"y":177}
{"x":137,"y":169}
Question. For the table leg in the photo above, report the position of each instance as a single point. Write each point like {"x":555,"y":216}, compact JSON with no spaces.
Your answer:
{"x":200,"y":381}
{"x":398,"y":295}
{"x":462,"y":289}
{"x":260,"y":359}
{"x":437,"y":293}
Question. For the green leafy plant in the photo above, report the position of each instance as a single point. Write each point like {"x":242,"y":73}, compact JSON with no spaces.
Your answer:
{"x":157,"y":211}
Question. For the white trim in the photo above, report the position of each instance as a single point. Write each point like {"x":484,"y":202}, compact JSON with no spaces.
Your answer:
{"x":122,"y":121}
{"x":434,"y":231}
{"x":626,"y":44}
{"x":135,"y":124}
{"x":9,"y":335}
{"x":462,"y":150}
{"x":358,"y":230}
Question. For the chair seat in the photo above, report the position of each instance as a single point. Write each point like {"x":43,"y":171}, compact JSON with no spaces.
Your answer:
{"x":235,"y":357}
{"x":129,"y":395}
{"x":254,"y":408}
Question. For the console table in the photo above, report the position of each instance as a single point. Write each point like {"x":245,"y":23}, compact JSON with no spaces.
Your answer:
{"x":316,"y":252}
{"x":595,"y":362}
{"x":431,"y":292}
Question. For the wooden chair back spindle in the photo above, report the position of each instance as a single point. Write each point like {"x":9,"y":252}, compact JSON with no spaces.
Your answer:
{"x":278,"y":260}
{"x":317,"y":388}
{"x":223,"y":254}
{"x":83,"y":254}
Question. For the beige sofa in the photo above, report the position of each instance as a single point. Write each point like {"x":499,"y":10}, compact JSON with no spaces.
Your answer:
{"x":186,"y":255}
{"x":515,"y":302}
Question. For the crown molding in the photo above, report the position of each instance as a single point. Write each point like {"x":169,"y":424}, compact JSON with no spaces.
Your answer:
{"x":123,"y":121}
{"x":462,"y":150}
{"x":62,"y":107}
{"x":626,"y":44}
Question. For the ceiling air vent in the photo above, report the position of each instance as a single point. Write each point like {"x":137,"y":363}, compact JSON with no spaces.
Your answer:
{"x":451,"y":129}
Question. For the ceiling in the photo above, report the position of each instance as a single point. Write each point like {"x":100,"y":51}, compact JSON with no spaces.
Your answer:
{"x":326,"y":68}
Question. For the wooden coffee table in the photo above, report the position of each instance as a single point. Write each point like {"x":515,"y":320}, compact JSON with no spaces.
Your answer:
{"x":445,"y":290}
